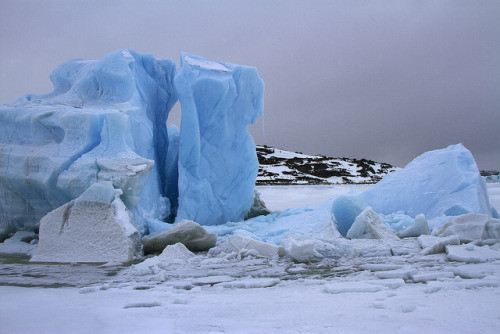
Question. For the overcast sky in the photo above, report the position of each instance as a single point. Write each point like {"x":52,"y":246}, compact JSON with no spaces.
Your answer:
{"x":382,"y":80}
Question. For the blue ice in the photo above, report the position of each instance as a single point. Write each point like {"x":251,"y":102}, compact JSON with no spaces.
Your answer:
{"x":217,"y":159}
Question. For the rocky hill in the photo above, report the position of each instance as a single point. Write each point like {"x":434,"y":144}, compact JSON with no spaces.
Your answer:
{"x":280,"y":167}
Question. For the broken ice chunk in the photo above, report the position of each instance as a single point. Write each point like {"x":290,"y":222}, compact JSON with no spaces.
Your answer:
{"x":95,"y":227}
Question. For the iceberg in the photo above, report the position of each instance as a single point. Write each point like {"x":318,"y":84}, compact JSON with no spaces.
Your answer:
{"x":104,"y":121}
{"x":438,"y":183}
{"x":217,"y":159}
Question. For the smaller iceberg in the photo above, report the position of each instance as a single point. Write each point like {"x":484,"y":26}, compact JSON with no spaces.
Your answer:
{"x":438,"y":183}
{"x":95,"y":227}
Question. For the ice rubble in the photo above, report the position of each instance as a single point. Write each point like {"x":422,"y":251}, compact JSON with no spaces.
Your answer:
{"x":308,"y":234}
{"x":443,"y":184}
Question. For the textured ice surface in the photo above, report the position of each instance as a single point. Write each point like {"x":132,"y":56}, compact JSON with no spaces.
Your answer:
{"x":438,"y":183}
{"x":217,"y":159}
{"x":95,"y":227}
{"x":104,"y":121}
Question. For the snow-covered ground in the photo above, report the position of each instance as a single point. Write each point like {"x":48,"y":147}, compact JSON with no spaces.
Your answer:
{"x":378,"y":294}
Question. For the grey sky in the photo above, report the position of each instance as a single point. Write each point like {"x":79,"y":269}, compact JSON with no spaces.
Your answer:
{"x":383,"y":80}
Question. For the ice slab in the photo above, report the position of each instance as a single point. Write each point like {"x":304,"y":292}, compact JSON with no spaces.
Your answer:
{"x":301,"y":250}
{"x":470,"y":227}
{"x":424,"y":277}
{"x":187,"y":232}
{"x":251,"y":283}
{"x":419,"y":227}
{"x":95,"y":227}
{"x":346,"y":287}
{"x":368,"y":225}
{"x":460,"y":284}
{"x":475,"y":270}
{"x":380,"y":266}
{"x":22,"y":242}
{"x":217,"y":158}
{"x":403,"y":273}
{"x":155,"y":266}
{"x":242,"y":244}
{"x":435,"y":245}
{"x":470,"y":253}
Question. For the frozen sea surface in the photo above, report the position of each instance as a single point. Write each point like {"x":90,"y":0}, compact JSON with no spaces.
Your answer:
{"x":379,"y":294}
{"x":16,"y":270}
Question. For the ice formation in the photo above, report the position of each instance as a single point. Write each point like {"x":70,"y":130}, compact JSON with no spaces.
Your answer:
{"x":438,"y":183}
{"x":104,"y":121}
{"x":217,"y":159}
{"x":95,"y":227}
{"x":345,"y":209}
